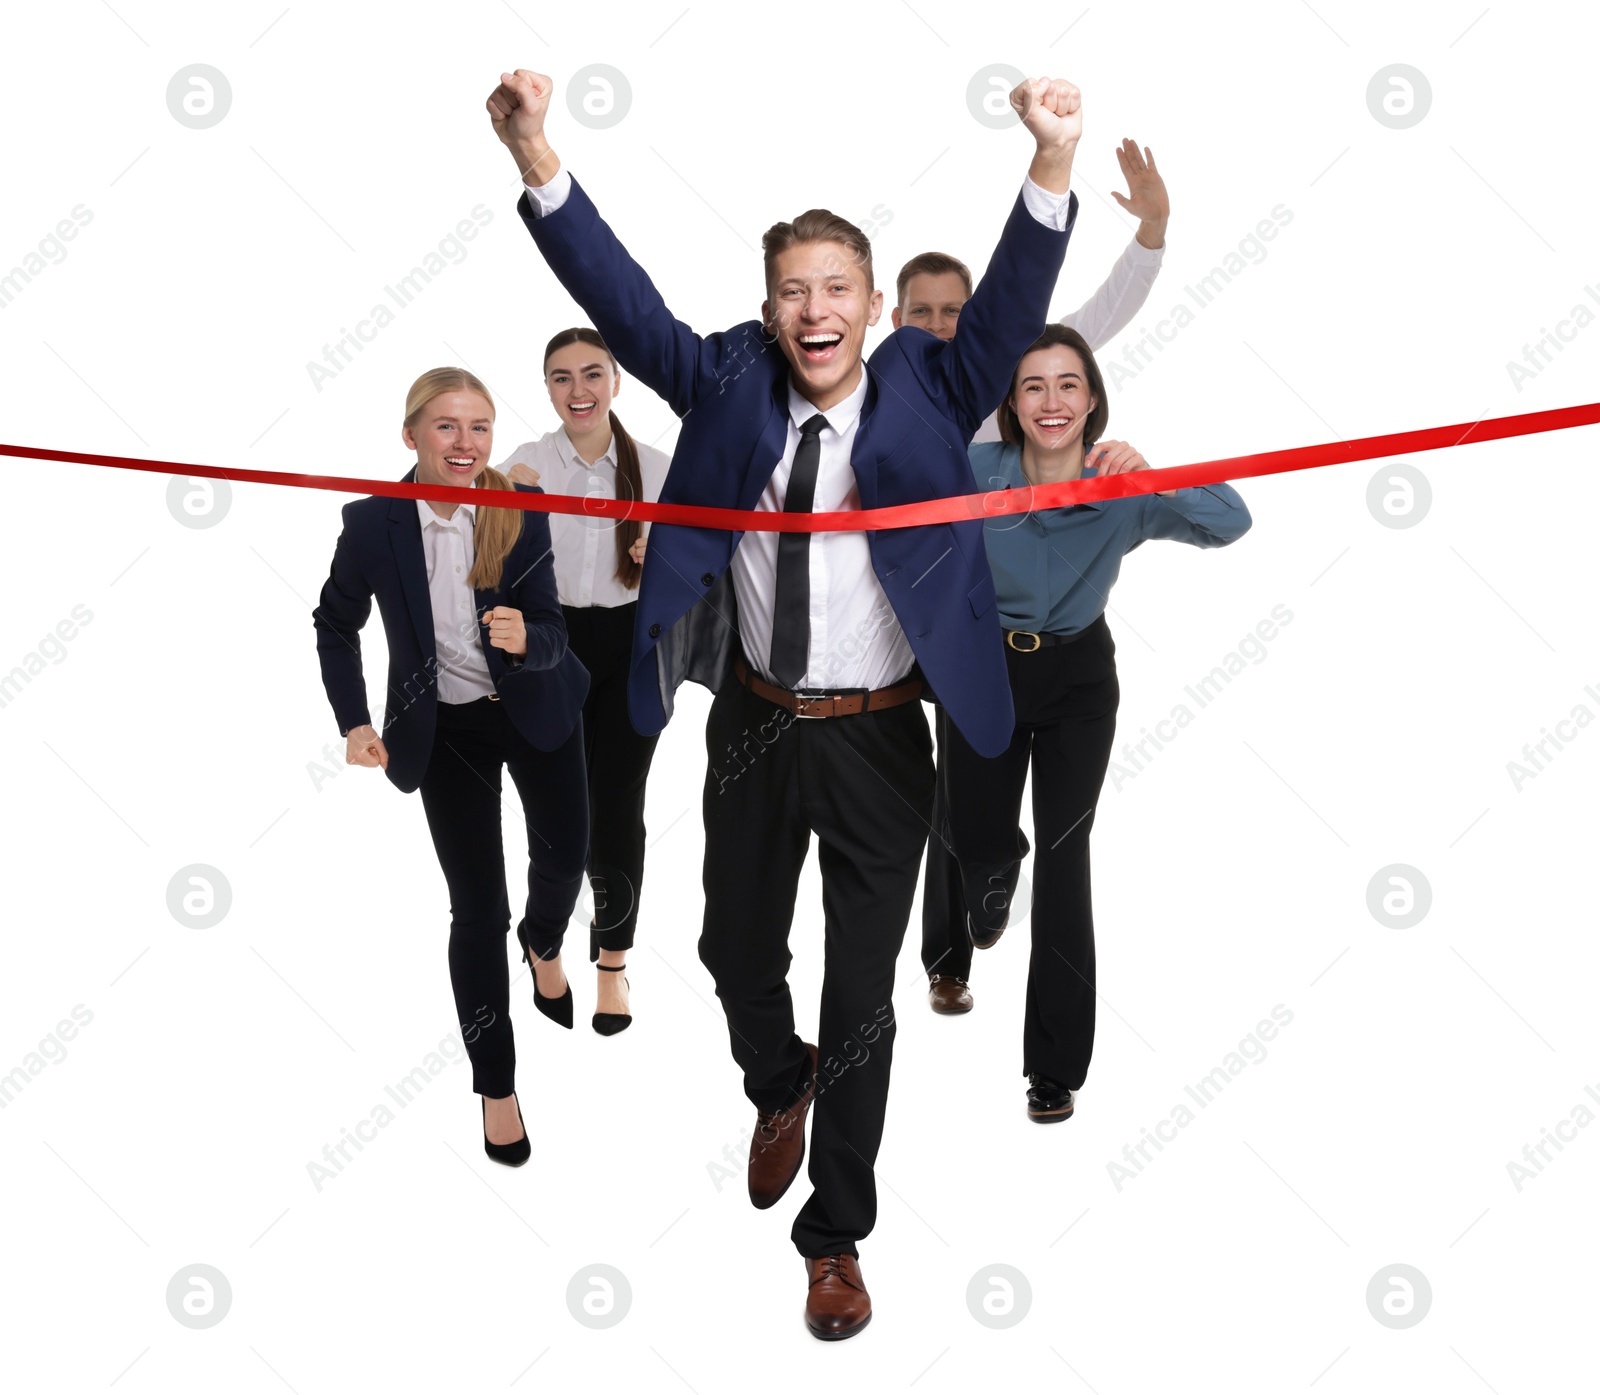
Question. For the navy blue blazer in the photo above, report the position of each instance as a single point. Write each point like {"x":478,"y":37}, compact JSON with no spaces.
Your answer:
{"x":379,"y":553}
{"x":925,"y":400}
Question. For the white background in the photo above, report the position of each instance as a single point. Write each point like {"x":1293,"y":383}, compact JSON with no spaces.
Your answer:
{"x":181,"y":725}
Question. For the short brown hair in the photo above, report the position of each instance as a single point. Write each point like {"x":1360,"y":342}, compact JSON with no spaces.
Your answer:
{"x":930,"y":264}
{"x":816,"y":225}
{"x":1094,"y":426}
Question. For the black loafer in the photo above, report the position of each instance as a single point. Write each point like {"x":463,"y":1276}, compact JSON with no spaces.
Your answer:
{"x":1049,"y":1102}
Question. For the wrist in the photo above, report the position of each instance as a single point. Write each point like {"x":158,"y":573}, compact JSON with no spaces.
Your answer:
{"x":1051,"y":169}
{"x":536,"y":161}
{"x":1152,"y":234}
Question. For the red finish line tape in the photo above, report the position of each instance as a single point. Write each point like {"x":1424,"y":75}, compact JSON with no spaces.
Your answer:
{"x":981,"y":504}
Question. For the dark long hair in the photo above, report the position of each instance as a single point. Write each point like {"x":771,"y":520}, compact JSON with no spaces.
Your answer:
{"x":1094,"y":426}
{"x":630,"y":484}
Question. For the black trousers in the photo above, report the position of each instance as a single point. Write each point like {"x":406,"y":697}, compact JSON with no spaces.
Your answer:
{"x":461,"y":796}
{"x":946,"y":947}
{"x":618,"y":761}
{"x":864,"y":786}
{"x":1066,"y":704}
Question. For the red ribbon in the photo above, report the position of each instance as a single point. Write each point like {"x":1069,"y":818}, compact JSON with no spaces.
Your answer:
{"x":989,"y":504}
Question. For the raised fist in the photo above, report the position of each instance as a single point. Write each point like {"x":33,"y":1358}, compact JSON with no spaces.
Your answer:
{"x":1051,"y":109}
{"x":518,"y":105}
{"x":523,"y":474}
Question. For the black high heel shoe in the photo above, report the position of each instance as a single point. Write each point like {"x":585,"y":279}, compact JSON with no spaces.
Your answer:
{"x":511,"y":1154}
{"x":608,"y":1024}
{"x":558,"y":1010}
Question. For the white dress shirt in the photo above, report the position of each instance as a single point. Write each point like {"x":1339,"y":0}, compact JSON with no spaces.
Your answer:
{"x":856,"y":640}
{"x":1109,"y":311}
{"x":586,"y":547}
{"x":447,"y":545}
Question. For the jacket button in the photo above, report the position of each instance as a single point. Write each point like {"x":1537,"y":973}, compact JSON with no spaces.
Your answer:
{"x":655,"y":632}
{"x":707,"y":579}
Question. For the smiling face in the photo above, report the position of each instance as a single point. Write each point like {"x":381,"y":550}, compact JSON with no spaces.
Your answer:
{"x":1051,"y":397}
{"x":820,"y":306}
{"x":582,"y":380}
{"x":932,"y":302}
{"x":452,"y":436}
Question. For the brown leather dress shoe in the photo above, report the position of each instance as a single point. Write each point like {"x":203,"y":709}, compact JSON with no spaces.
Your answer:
{"x":837,"y":1303}
{"x":949,"y":994}
{"x":778,"y":1146}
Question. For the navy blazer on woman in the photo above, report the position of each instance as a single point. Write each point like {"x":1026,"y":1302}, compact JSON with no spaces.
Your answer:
{"x":925,"y":400}
{"x":379,"y":553}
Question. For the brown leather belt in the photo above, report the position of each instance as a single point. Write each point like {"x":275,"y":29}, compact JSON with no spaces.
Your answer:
{"x":817,"y":704}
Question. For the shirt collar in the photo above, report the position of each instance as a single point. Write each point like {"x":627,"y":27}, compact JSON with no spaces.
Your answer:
{"x":426,"y":514}
{"x":572,"y":460}
{"x":840,"y":416}
{"x":1011,"y":465}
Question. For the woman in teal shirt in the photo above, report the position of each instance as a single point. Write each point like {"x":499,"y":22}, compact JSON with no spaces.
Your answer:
{"x":1053,"y":574}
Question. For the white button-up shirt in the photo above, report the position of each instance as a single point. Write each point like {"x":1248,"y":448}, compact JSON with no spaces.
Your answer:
{"x":586,"y":547}
{"x":447,"y":546}
{"x":856,"y":641}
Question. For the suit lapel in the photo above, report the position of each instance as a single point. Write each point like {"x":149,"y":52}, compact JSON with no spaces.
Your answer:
{"x":863,"y":452}
{"x":769,"y":447}
{"x":405,"y":537}
{"x":774,"y":439}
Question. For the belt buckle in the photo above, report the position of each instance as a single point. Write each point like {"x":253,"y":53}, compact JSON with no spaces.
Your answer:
{"x":1011,"y":640}
{"x":824,"y":695}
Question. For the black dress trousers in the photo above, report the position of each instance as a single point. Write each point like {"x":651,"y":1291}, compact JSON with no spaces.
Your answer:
{"x":1066,"y":704}
{"x":863,"y":785}
{"x":472,"y":743}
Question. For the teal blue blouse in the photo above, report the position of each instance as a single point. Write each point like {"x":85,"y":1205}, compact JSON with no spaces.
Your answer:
{"x":1054,"y":569}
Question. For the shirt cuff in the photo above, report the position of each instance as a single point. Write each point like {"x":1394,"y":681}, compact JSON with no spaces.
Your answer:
{"x":1047,"y":208}
{"x":1139,"y":254}
{"x":548,"y":197}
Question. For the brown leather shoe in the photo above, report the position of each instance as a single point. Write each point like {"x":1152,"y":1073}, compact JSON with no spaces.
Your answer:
{"x":778,"y":1146}
{"x":949,"y":994}
{"x":837,"y":1303}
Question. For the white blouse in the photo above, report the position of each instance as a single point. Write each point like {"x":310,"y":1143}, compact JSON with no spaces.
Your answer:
{"x":586,"y":547}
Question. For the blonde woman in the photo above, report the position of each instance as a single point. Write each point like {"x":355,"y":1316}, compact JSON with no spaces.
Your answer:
{"x":598,"y":565}
{"x":480,"y":678}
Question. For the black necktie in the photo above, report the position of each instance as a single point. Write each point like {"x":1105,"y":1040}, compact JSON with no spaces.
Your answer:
{"x":791,"y":611}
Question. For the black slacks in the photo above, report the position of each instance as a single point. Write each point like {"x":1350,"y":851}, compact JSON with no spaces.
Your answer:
{"x":864,"y":785}
{"x":461,"y":796}
{"x":946,"y":947}
{"x":618,"y":762}
{"x":1066,"y":704}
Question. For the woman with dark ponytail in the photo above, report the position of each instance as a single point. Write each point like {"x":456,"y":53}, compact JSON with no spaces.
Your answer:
{"x":598,"y":563}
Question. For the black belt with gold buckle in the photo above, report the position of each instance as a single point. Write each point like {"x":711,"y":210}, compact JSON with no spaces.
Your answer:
{"x":1040,"y":640}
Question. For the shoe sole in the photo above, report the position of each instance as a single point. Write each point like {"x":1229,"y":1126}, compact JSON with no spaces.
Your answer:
{"x":838,"y":1336}
{"x":984,"y":944}
{"x":1049,"y":1116}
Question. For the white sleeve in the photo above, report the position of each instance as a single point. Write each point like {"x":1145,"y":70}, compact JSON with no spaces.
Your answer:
{"x":1111,"y":309}
{"x":1047,"y":208}
{"x":989,"y":431}
{"x":522,"y":455}
{"x":548,"y":197}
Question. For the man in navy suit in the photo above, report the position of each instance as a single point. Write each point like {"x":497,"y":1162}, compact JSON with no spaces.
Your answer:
{"x":817,"y":645}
